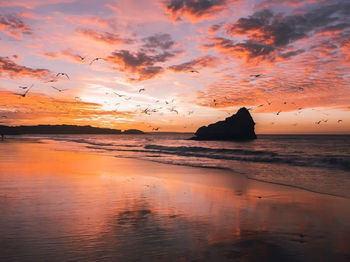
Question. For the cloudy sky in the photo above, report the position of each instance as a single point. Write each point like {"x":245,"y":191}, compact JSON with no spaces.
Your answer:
{"x":176,"y":64}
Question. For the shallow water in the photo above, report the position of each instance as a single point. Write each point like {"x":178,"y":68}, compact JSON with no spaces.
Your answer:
{"x":64,"y":206}
{"x":319,"y":163}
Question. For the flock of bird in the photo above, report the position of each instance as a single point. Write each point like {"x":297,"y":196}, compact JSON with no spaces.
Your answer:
{"x":149,"y":109}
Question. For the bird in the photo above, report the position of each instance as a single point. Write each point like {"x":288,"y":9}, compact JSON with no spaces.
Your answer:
{"x":118,"y":94}
{"x":269,"y":103}
{"x":190,"y":112}
{"x":81,"y":57}
{"x":25,"y":87}
{"x":146,"y":111}
{"x":26,"y":92}
{"x":339,"y":121}
{"x":155,"y":128}
{"x":62,"y":74}
{"x":174,"y":110}
{"x":278,"y":112}
{"x":194,"y":71}
{"x":59,"y":90}
{"x":96,"y":59}
{"x":318,"y":122}
{"x":258,"y":75}
{"x":141,"y":89}
{"x":326,"y":120}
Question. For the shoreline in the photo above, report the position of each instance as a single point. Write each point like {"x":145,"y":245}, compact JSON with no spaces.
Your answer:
{"x":230,"y":171}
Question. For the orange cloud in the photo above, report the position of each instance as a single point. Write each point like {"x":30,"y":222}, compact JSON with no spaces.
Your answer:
{"x":40,"y":109}
{"x":8,"y":67}
{"x":105,"y":37}
{"x":14,"y":26}
{"x":198,"y":63}
{"x":194,"y":10}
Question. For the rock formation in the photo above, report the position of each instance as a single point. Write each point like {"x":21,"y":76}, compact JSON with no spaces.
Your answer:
{"x":236,"y":127}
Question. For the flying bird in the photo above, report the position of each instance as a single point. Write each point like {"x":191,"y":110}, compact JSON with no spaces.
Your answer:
{"x":96,"y":59}
{"x":194,"y":71}
{"x":190,"y":112}
{"x":278,"y":112}
{"x":256,"y":76}
{"x":145,"y":111}
{"x":82,"y":58}
{"x":26,"y":92}
{"x":59,"y":90}
{"x":339,"y":121}
{"x":318,"y":122}
{"x":142,"y":89}
{"x":118,"y":94}
{"x":62,"y":74}
{"x":25,"y":87}
{"x":155,"y":128}
{"x":174,"y":110}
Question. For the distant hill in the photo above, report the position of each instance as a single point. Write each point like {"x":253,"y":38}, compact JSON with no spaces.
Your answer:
{"x":62,"y":129}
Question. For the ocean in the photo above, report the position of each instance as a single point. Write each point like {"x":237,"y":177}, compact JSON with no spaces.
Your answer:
{"x":317,"y":163}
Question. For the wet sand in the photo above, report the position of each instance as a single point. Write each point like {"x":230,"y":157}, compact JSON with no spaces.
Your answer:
{"x":57,"y":205}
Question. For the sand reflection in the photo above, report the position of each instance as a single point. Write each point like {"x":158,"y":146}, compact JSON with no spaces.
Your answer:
{"x":59,"y":205}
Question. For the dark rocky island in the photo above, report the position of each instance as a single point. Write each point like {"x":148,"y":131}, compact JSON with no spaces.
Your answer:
{"x":62,"y":129}
{"x":133,"y":132}
{"x":236,"y":127}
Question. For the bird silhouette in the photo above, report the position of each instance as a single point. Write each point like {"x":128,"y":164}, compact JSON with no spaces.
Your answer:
{"x":96,"y":59}
{"x":194,"y":71}
{"x":26,"y":92}
{"x":59,"y":90}
{"x":318,"y":122}
{"x":258,"y":75}
{"x":278,"y":112}
{"x":155,"y":128}
{"x":118,"y":94}
{"x":174,"y":110}
{"x":62,"y":74}
{"x":25,"y":87}
{"x":82,"y":58}
{"x":141,"y":89}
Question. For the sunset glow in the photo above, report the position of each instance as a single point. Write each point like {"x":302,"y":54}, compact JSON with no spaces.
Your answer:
{"x":176,"y":64}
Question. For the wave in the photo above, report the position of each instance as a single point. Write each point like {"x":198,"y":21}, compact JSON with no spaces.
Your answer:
{"x":254,"y":156}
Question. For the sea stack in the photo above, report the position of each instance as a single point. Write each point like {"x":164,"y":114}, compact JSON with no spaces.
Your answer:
{"x":236,"y":127}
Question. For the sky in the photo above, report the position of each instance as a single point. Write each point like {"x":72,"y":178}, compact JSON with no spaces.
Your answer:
{"x":175,"y":65}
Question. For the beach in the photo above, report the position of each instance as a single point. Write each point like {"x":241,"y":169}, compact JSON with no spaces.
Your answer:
{"x":58,"y":204}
